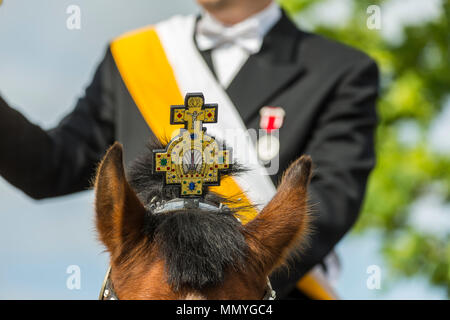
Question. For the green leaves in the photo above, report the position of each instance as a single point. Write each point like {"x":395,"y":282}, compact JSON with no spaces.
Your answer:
{"x":415,"y":84}
{"x":293,"y":6}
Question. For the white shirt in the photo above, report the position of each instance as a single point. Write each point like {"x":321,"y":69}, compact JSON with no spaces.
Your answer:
{"x":232,"y":45}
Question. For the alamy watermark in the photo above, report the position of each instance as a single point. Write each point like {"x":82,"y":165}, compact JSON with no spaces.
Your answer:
{"x":373,"y":282}
{"x":73,"y":281}
{"x":73,"y":21}
{"x":249,"y":148}
{"x":374,"y":19}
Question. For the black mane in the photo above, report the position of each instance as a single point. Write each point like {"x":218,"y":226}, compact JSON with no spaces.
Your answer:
{"x":198,"y":245}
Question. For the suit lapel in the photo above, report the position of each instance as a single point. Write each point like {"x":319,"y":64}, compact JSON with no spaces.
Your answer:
{"x":269,"y":71}
{"x":207,"y":56}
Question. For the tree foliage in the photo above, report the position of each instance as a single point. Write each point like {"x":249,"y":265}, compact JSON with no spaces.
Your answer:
{"x":415,"y":86}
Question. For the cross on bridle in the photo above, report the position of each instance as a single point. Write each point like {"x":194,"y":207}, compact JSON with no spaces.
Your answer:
{"x":192,"y":159}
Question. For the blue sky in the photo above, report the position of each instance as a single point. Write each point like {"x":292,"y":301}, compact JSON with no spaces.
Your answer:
{"x":44,"y":68}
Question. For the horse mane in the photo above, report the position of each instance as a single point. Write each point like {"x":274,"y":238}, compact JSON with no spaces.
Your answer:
{"x":199,"y":246}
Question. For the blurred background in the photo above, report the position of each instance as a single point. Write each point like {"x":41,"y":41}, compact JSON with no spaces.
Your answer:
{"x":404,"y":229}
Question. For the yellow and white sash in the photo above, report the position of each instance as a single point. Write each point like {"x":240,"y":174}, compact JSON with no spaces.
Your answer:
{"x":159,"y":65}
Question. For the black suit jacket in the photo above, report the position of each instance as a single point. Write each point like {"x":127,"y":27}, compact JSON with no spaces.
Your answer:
{"x":327,"y":90}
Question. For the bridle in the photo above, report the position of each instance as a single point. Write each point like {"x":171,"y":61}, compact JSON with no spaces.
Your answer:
{"x":107,"y":291}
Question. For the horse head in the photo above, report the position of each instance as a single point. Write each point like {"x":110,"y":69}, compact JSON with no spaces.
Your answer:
{"x":195,"y":253}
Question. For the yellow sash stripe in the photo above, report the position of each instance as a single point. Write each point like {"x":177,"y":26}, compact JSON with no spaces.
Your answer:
{"x":150,"y":80}
{"x":311,"y":286}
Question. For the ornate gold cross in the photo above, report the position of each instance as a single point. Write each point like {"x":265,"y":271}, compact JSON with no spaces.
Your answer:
{"x":192,"y":159}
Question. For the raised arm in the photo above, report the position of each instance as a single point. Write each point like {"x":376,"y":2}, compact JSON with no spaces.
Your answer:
{"x":62,"y":160}
{"x":342,"y":150}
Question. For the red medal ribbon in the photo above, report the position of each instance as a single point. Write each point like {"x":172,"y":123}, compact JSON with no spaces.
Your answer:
{"x":271,"y":118}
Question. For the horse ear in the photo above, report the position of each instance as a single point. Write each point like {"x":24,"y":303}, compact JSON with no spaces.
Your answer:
{"x":119,"y":213}
{"x":284,"y":221}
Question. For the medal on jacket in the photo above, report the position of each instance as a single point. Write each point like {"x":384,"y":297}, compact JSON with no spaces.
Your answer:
{"x":268,"y":143}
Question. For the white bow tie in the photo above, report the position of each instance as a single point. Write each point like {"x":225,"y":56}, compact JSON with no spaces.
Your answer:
{"x":211,"y":35}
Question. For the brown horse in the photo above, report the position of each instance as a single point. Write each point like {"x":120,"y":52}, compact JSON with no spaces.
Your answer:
{"x":193,"y":253}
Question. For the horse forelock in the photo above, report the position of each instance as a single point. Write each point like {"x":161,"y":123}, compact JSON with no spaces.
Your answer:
{"x":198,"y":247}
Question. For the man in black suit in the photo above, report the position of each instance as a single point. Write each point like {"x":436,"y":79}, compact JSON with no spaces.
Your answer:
{"x":327,"y":90}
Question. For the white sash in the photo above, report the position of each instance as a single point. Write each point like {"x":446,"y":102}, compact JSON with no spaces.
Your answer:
{"x":193,"y":75}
